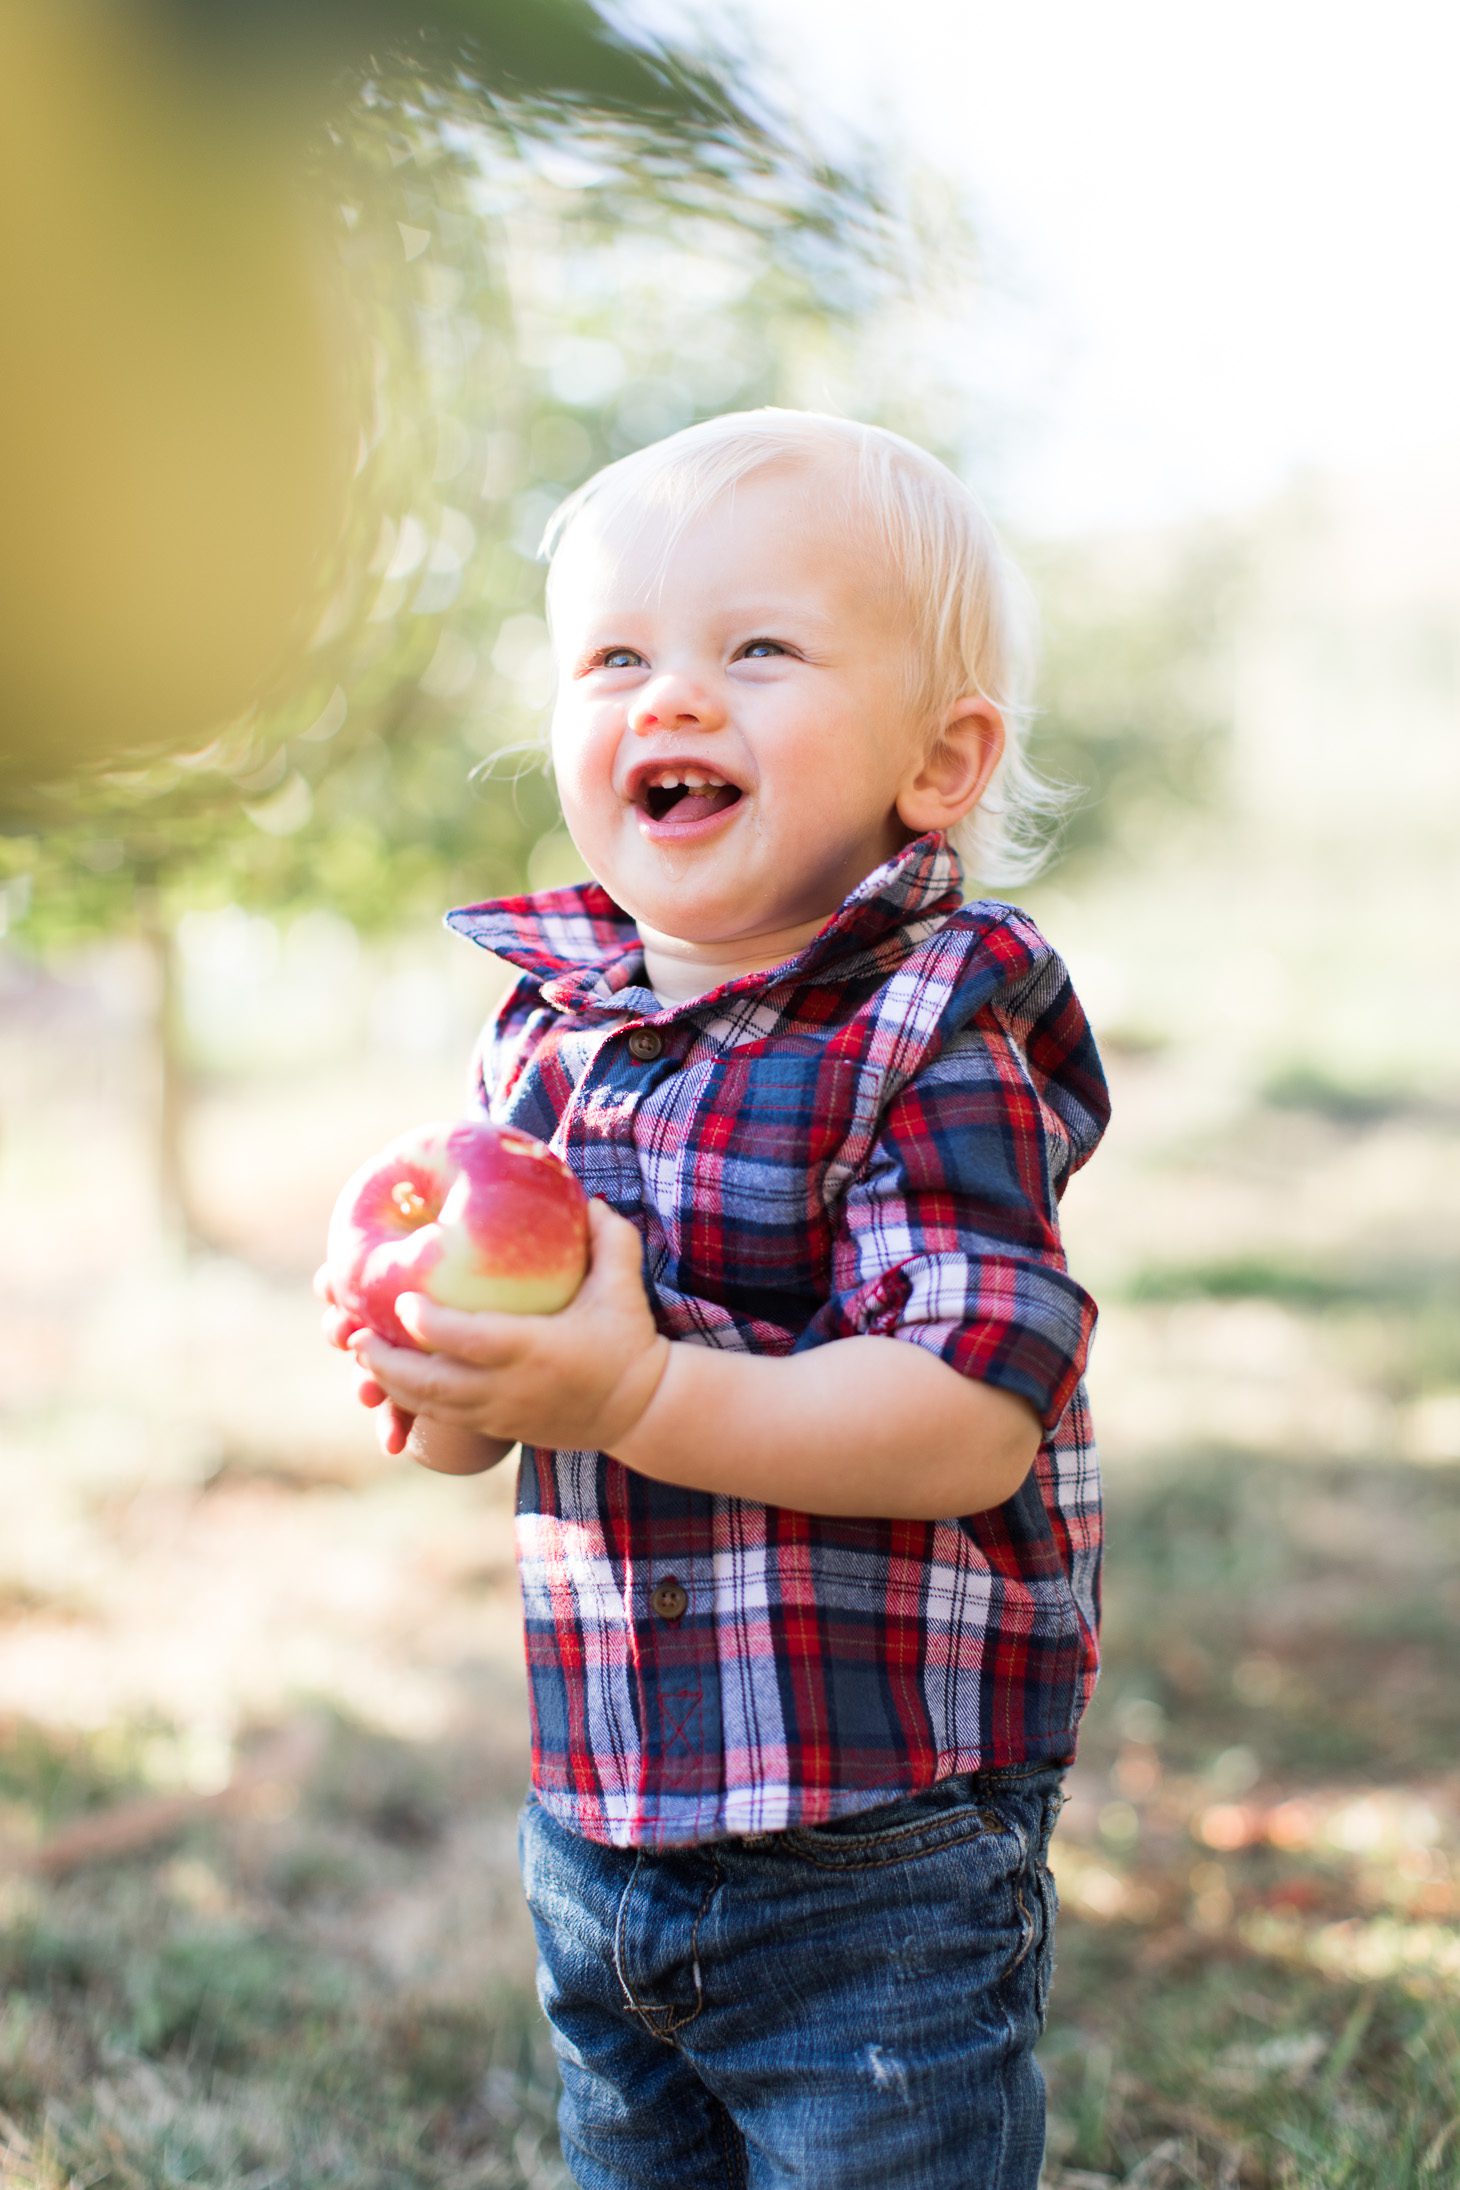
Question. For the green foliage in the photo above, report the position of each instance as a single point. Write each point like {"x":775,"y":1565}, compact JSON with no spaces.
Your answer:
{"x":558,"y":58}
{"x":1135,"y":681}
{"x":529,"y":305}
{"x":553,"y":252}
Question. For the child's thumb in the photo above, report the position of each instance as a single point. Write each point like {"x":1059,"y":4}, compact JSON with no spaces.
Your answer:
{"x":613,"y":1239}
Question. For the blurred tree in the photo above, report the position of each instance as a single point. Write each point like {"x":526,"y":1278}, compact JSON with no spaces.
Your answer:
{"x":528,"y":304}
{"x":1135,"y":680}
{"x":186,"y":374}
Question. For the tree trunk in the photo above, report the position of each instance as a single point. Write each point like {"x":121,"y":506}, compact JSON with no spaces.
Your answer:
{"x":172,"y":1081}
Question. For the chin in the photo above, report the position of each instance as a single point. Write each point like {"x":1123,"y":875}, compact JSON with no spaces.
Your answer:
{"x":676,"y":925}
{"x":673,"y":906}
{"x":702,"y":917}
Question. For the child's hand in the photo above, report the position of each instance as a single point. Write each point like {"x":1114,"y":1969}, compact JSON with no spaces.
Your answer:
{"x":339,"y":1327}
{"x":582,"y":1377}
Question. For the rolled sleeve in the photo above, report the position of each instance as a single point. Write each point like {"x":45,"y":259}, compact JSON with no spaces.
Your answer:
{"x":948,"y":1235}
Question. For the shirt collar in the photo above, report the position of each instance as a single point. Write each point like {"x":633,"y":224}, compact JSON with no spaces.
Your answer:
{"x":585,"y":948}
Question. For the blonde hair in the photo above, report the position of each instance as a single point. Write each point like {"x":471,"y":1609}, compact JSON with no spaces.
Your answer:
{"x":970,"y":606}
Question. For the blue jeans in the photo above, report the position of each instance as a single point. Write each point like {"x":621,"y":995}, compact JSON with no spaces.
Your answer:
{"x":852,"y":2006}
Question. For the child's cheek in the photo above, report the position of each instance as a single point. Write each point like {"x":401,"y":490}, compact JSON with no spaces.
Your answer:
{"x":584,"y":808}
{"x":584,"y":769}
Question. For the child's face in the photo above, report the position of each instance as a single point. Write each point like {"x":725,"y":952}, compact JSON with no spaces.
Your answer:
{"x":758,"y":651}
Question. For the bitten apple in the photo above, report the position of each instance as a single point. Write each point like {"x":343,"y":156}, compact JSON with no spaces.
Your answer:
{"x":475,"y":1215}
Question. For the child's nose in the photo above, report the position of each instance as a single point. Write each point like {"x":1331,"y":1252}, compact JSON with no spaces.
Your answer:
{"x":676,"y":702}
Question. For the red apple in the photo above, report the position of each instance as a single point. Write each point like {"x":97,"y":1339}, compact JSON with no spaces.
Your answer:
{"x":475,"y":1215}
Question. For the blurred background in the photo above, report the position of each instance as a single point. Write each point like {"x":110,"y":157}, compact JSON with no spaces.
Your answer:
{"x":311,"y":317}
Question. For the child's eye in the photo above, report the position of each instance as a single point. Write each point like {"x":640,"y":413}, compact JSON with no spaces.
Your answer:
{"x":757,"y":649}
{"x":614,"y":657}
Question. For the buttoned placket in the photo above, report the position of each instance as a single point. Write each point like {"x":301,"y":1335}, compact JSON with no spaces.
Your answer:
{"x":670,"y":1669}
{"x":677,"y":1682}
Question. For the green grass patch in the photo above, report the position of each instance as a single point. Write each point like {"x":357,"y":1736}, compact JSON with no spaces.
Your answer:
{"x":1295,"y":1284}
{"x":209,"y":2011}
{"x":1392,"y":1326}
{"x":1357,"y":1103}
{"x":49,"y":1775}
{"x":1224,"y":2067}
{"x":159,"y":1981}
{"x":1265,"y":1763}
{"x":141,"y":2045}
{"x":398,"y":1791}
{"x":1231,"y":1607}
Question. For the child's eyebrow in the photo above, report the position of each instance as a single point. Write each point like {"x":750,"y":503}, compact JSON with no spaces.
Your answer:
{"x":780,"y":612}
{"x":624,"y":626}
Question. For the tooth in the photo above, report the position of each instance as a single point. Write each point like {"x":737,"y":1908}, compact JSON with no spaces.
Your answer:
{"x":671,"y":779}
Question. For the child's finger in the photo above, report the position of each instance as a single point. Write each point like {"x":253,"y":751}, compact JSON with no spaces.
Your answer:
{"x":393,"y":1428}
{"x":615,"y":1244}
{"x":339,"y":1327}
{"x":484,"y":1340}
{"x":422,"y":1383}
{"x":368,"y":1392}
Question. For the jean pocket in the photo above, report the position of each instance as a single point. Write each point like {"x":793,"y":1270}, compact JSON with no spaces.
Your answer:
{"x":1038,"y":1904}
{"x":897,"y":1832}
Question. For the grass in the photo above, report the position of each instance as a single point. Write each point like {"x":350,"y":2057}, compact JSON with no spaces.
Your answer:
{"x":211,"y":2013}
{"x":1301,"y":1085}
{"x":1302,"y":2087}
{"x":1249,"y":1599}
{"x":1304,"y":1286}
{"x":1262,"y":1870}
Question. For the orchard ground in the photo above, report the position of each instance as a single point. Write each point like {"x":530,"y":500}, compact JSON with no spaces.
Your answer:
{"x":211,"y":1581}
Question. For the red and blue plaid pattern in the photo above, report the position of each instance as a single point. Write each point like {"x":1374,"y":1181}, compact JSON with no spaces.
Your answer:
{"x":872,"y":1137}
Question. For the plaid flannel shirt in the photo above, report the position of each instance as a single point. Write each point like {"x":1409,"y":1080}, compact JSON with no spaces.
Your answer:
{"x":871,"y":1137}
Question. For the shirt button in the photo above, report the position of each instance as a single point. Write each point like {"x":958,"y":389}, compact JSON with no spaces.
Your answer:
{"x":670,"y":1598}
{"x":645,"y":1044}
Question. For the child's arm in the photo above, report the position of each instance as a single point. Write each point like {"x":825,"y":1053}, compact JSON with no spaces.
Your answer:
{"x":865,"y":1425}
{"x":870,"y":1426}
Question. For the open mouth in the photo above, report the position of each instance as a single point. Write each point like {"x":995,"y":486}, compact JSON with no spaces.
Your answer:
{"x":687,"y":802}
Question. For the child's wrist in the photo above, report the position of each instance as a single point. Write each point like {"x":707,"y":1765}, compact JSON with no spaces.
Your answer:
{"x":646,"y":1401}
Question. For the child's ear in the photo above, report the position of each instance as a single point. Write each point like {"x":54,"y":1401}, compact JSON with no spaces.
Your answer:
{"x":950,"y":777}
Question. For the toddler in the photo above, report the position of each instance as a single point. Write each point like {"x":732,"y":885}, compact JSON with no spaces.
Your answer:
{"x":808,"y":1517}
